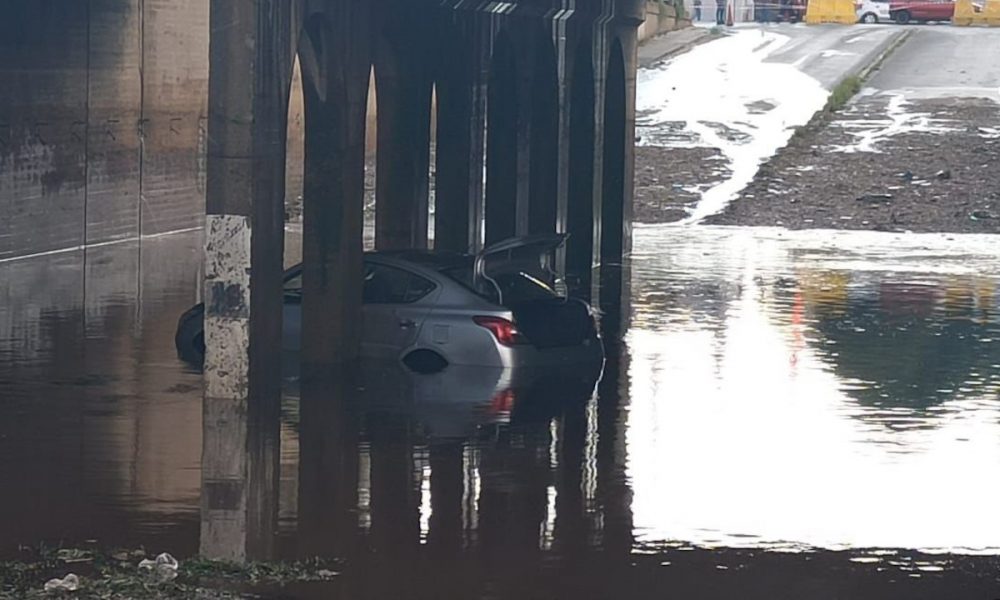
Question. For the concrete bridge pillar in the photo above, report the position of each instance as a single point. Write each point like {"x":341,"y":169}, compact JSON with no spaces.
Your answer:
{"x":335,"y":55}
{"x":403,"y":80}
{"x":580,"y":170}
{"x":462,"y":54}
{"x":504,"y":138}
{"x":618,"y":159}
{"x":542,"y":156}
{"x":251,"y":58}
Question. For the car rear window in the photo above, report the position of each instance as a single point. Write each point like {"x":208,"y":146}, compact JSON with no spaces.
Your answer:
{"x":516,"y":286}
{"x":389,"y":285}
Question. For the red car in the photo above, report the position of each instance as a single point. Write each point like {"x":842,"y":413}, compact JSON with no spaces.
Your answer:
{"x":905,"y":11}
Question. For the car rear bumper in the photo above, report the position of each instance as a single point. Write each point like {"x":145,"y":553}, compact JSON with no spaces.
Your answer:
{"x":591,"y":352}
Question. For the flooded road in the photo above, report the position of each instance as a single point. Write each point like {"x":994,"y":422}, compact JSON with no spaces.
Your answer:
{"x":792,"y":415}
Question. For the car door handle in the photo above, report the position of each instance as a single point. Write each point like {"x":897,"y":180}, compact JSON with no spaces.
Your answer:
{"x":407,"y":323}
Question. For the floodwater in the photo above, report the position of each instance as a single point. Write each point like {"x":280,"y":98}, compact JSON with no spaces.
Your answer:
{"x":791,"y":415}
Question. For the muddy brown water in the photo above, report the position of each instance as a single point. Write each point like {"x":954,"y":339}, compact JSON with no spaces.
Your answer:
{"x":792,"y":415}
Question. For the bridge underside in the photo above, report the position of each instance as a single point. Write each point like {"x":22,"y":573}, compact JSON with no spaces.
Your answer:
{"x":534,"y":119}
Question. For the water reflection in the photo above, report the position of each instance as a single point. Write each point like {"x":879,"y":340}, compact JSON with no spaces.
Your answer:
{"x":799,"y":384}
{"x":779,"y":391}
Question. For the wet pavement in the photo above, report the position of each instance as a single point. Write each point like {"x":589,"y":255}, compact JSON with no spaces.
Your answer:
{"x":705,"y":122}
{"x":791,"y":415}
{"x":914,"y":151}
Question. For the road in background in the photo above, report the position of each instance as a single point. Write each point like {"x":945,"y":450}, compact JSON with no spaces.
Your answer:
{"x":916,"y":150}
{"x":706,"y":119}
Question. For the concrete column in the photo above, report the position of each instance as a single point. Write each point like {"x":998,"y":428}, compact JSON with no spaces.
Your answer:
{"x":579,"y":211}
{"x":251,"y":63}
{"x":461,"y":128}
{"x":404,"y":104}
{"x":544,"y":166}
{"x":504,"y":212}
{"x":335,"y":60}
{"x":616,"y":200}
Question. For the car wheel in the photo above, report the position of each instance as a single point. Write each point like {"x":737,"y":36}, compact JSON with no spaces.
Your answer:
{"x":902,"y":17}
{"x":190,"y":338}
{"x":869,"y":18}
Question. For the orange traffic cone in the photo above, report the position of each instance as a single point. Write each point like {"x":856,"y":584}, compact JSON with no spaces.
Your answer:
{"x":729,"y":14}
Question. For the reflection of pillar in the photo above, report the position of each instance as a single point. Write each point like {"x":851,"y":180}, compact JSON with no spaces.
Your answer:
{"x":613,"y":491}
{"x":404,"y":105}
{"x":570,"y":525}
{"x":251,"y":64}
{"x":328,"y":464}
{"x":447,"y":490}
{"x":239,"y":506}
{"x":395,"y":496}
{"x":512,"y":506}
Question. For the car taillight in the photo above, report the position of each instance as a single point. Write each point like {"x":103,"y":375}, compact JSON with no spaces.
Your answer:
{"x":503,"y":330}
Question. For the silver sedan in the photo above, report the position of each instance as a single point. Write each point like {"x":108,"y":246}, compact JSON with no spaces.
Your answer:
{"x":498,"y":308}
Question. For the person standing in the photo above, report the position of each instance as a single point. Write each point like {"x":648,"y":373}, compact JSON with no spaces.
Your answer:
{"x":720,"y":12}
{"x":697,"y":10}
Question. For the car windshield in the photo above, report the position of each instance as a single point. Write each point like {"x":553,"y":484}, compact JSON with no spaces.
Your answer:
{"x":515,"y":286}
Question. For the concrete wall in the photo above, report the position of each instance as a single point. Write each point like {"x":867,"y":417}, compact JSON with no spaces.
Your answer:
{"x":661,"y":18}
{"x":102,"y":111}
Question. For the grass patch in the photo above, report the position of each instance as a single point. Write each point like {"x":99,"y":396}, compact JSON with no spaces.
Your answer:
{"x":843,"y":93}
{"x":116,"y":576}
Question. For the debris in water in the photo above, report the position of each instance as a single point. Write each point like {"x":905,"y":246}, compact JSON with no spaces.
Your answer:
{"x":69,"y":583}
{"x":164,"y":568}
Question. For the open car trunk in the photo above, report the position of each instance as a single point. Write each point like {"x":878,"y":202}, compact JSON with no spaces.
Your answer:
{"x":521,"y":272}
{"x":553,"y":323}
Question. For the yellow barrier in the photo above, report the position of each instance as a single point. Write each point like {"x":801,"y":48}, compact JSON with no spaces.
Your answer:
{"x":981,"y":12}
{"x":831,"y":11}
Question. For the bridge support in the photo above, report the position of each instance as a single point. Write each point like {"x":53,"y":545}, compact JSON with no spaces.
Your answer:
{"x":403,"y":80}
{"x":544,"y":105}
{"x":335,"y":55}
{"x":251,"y":53}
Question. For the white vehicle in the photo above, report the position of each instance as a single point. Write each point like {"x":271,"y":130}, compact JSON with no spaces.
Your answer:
{"x":872,"y":11}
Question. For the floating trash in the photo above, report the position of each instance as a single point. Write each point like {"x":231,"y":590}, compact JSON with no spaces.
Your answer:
{"x":69,"y":583}
{"x":164,"y":568}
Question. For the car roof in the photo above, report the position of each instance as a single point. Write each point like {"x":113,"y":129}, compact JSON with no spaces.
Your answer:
{"x":428,"y":259}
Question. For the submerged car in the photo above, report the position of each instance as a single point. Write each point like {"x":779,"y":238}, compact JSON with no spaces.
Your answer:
{"x":497,"y":308}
